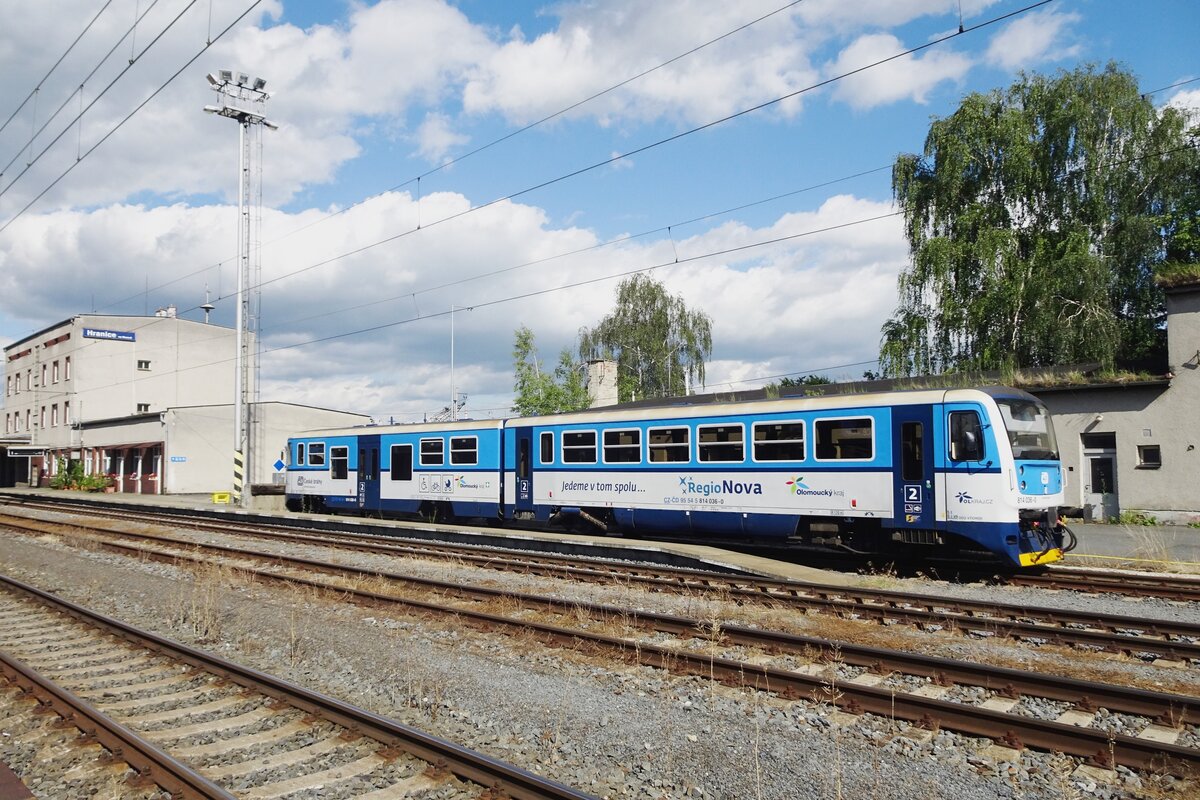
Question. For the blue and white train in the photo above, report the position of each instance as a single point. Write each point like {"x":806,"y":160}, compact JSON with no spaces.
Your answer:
{"x":935,"y":472}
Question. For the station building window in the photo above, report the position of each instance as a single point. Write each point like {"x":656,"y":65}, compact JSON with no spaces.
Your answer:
{"x":669,"y":445}
{"x":54,"y":372}
{"x":464,"y":450}
{"x":433,"y":452}
{"x":8,"y":386}
{"x":1149,"y":456}
{"x":623,"y":447}
{"x":143,"y":365}
{"x":844,"y":439}
{"x":42,"y":418}
{"x":54,"y":415}
{"x":67,"y":368}
{"x":44,"y":368}
{"x":339,"y":463}
{"x":579,"y":447}
{"x":143,"y":408}
{"x":66,"y":412}
{"x":316,"y":454}
{"x":721,"y":443}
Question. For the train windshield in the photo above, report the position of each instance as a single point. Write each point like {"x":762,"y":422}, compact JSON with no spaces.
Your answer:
{"x":1030,"y":431}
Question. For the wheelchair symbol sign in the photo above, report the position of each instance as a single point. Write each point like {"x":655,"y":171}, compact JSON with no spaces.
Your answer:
{"x":912,"y":493}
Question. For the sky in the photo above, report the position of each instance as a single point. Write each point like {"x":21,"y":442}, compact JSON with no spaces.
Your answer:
{"x":475,"y":166}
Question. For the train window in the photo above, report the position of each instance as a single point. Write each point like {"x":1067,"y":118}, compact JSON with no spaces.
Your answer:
{"x":579,"y":447}
{"x":966,"y":436}
{"x":464,"y":450}
{"x":339,"y":463}
{"x":547,"y":440}
{"x":844,"y":439}
{"x":432,"y":452}
{"x":779,"y":441}
{"x":668,"y":445}
{"x":402,"y":466}
{"x":316,"y":454}
{"x":721,"y":443}
{"x":623,"y":447}
{"x":300,"y":459}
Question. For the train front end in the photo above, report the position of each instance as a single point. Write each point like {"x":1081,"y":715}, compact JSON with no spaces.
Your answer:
{"x":1035,"y":481}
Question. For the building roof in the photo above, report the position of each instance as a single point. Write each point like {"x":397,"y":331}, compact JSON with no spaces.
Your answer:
{"x":69,"y":320}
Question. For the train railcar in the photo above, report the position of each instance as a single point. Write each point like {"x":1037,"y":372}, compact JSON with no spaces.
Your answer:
{"x":435,"y":471}
{"x":960,"y":470}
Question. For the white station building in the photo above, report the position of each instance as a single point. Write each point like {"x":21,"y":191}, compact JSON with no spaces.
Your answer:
{"x":143,"y":400}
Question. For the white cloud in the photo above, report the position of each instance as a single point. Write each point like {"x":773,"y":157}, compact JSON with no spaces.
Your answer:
{"x":824,"y":295}
{"x":595,"y":46}
{"x":1187,"y":99}
{"x":1035,"y":38}
{"x":436,"y":137}
{"x":911,"y":77}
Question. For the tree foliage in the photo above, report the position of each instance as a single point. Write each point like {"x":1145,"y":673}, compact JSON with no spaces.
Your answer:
{"x":541,"y":392}
{"x":1036,"y":217}
{"x":659,"y":344}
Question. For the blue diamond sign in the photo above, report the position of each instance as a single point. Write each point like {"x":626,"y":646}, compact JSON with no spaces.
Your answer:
{"x":279,"y":465}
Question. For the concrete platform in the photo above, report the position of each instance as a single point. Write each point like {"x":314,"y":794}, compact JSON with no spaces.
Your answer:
{"x":696,"y":556}
{"x":1151,"y":546}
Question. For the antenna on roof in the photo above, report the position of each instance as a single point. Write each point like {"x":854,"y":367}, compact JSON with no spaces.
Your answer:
{"x":208,"y":306}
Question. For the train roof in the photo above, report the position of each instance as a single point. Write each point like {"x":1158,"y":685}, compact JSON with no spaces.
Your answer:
{"x":830,"y":402}
{"x":683,"y":409}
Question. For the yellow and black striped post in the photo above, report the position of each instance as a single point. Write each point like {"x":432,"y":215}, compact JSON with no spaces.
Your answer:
{"x":239,"y":476}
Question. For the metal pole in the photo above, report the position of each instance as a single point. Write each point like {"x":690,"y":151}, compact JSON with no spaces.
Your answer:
{"x":239,"y":384}
{"x":453,"y":388}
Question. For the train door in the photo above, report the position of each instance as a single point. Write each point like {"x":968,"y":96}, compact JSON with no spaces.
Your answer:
{"x":912,"y":475}
{"x":524,"y":473}
{"x":368,"y":473}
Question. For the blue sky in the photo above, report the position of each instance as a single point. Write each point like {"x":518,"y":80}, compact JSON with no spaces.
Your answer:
{"x":371,"y":95}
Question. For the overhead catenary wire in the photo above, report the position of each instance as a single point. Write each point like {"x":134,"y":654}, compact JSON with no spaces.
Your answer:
{"x":79,"y":117}
{"x":535,"y":293}
{"x":487,"y":146}
{"x":37,"y":87}
{"x":131,"y":114}
{"x":655,"y":144}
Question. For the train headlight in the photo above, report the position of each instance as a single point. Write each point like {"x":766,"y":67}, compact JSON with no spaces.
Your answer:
{"x":1022,"y":486}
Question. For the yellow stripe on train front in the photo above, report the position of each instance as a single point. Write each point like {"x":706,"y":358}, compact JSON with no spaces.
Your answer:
{"x":1035,"y":559}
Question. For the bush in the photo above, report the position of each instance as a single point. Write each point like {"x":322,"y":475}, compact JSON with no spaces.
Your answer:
{"x":1136,"y":518}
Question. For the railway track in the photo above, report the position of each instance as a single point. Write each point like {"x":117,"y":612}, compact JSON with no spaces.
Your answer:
{"x":1181,"y":588}
{"x":1141,"y":637}
{"x":855,"y":678}
{"x":202,"y":727}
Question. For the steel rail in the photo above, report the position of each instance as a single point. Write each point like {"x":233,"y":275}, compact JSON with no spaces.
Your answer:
{"x":916,"y":608}
{"x":472,"y":766}
{"x":146,"y":759}
{"x":1081,"y":579}
{"x":1112,"y":642}
{"x":1014,"y":730}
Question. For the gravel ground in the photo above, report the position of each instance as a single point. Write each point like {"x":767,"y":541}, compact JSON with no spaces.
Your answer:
{"x":616,"y":732}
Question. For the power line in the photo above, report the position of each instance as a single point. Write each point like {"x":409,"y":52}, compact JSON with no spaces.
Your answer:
{"x":544,"y":119}
{"x":495,"y":142}
{"x":598,"y":246}
{"x":50,"y":71}
{"x":103,"y":91}
{"x":130,"y":115}
{"x":655,"y":144}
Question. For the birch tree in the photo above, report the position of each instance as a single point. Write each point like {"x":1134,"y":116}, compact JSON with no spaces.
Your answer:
{"x":1036,"y":217}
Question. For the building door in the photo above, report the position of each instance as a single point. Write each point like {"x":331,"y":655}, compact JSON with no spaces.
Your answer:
{"x":1100,"y":474}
